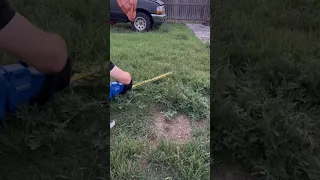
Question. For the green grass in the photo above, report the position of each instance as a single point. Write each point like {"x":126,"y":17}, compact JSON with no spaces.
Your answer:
{"x":266,"y":84}
{"x":66,"y":138}
{"x":171,"y":48}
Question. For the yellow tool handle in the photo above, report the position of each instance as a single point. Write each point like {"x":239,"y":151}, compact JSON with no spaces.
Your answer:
{"x":151,"y":80}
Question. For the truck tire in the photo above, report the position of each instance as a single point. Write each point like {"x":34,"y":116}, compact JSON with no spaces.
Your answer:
{"x":141,"y":23}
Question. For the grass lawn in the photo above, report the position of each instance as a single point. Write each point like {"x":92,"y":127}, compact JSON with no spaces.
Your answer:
{"x":162,"y":128}
{"x":67,"y":138}
{"x":265,"y":89}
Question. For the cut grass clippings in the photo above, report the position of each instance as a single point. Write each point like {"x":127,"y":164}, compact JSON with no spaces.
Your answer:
{"x":169,"y":48}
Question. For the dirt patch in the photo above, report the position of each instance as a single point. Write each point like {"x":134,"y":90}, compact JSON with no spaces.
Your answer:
{"x":177,"y":130}
{"x":154,"y":140}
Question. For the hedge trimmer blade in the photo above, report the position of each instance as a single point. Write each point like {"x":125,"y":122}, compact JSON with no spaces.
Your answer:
{"x":81,"y":76}
{"x":151,"y":80}
{"x":93,"y":73}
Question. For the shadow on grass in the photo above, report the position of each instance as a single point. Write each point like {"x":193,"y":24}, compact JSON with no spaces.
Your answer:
{"x":127,"y":28}
{"x":121,"y":28}
{"x":266,"y":81}
{"x":66,"y":138}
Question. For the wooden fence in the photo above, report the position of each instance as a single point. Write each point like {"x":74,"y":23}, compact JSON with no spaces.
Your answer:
{"x":187,"y":10}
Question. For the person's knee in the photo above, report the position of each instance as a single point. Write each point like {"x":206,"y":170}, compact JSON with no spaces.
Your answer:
{"x":120,"y":75}
{"x":56,"y":63}
{"x":57,"y":57}
{"x":127,"y":78}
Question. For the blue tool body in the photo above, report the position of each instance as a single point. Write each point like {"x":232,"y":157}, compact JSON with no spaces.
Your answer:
{"x":115,"y":89}
{"x":3,"y":92}
{"x":18,"y":84}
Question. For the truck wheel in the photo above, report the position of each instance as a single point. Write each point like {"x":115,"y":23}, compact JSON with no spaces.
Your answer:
{"x":141,"y":23}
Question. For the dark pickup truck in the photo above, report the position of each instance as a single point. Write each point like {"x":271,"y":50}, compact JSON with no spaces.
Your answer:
{"x":149,"y":13}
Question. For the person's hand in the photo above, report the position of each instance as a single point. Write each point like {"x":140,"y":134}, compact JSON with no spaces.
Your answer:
{"x":53,"y":83}
{"x":127,"y":87}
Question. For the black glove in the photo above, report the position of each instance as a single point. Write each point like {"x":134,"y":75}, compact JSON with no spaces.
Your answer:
{"x":126,"y":88}
{"x":54,"y":83}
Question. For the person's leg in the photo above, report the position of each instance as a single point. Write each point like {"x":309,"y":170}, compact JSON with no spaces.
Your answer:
{"x":122,"y":77}
{"x":47,"y":52}
{"x":119,"y":75}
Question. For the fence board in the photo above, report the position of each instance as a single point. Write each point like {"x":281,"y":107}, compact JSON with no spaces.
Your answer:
{"x":187,"y":10}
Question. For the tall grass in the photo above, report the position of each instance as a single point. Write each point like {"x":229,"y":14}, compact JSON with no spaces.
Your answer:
{"x":266,"y":84}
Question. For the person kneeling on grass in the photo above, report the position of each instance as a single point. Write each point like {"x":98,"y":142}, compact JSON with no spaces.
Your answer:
{"x":122,"y":77}
{"x":45,"y":51}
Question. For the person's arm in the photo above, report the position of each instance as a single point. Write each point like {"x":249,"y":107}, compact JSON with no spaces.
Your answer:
{"x":119,"y":75}
{"x":47,"y":52}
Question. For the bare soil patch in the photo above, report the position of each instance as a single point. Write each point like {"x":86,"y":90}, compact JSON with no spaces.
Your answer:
{"x":177,"y":130}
